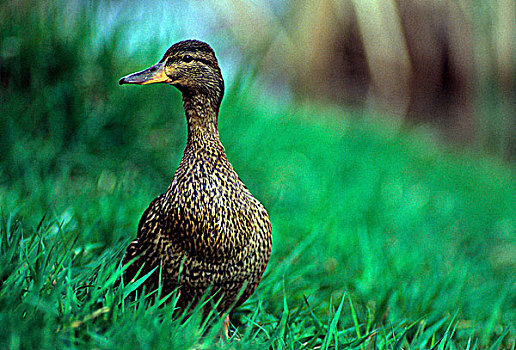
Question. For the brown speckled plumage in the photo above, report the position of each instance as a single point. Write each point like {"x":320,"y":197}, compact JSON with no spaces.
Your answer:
{"x":207,"y":223}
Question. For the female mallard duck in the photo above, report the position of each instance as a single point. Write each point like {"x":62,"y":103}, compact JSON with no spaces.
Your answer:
{"x":206,"y":231}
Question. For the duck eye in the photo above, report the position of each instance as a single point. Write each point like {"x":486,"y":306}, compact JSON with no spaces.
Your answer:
{"x":187,"y":58}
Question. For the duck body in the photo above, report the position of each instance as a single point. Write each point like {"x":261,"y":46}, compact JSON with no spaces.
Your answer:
{"x":206,"y":232}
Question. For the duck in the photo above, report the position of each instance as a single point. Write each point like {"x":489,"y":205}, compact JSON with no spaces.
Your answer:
{"x":207,"y":235}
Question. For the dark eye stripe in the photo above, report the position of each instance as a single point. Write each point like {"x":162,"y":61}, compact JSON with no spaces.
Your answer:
{"x":206,"y":62}
{"x":188,"y":59}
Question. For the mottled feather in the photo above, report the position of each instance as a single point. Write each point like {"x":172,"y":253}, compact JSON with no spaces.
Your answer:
{"x":207,"y":223}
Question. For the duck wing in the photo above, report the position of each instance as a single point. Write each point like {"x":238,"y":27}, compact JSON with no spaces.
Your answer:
{"x":137,"y":253}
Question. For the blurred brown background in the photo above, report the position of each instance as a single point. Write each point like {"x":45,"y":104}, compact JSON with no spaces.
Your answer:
{"x":448,"y":64}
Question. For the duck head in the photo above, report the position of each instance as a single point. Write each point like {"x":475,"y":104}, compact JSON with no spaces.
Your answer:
{"x":190,"y":66}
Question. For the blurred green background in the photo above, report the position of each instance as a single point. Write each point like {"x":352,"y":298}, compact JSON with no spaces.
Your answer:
{"x":380,"y":136}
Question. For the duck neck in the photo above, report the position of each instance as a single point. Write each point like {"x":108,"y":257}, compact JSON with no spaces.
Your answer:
{"x":202,"y":117}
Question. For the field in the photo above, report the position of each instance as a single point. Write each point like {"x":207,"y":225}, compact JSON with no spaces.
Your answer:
{"x":383,"y":237}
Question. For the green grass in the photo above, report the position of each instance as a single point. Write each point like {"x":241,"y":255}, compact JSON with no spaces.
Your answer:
{"x":382,"y":238}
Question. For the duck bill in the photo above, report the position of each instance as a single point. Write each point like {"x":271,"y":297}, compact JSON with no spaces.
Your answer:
{"x":151,"y":75}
